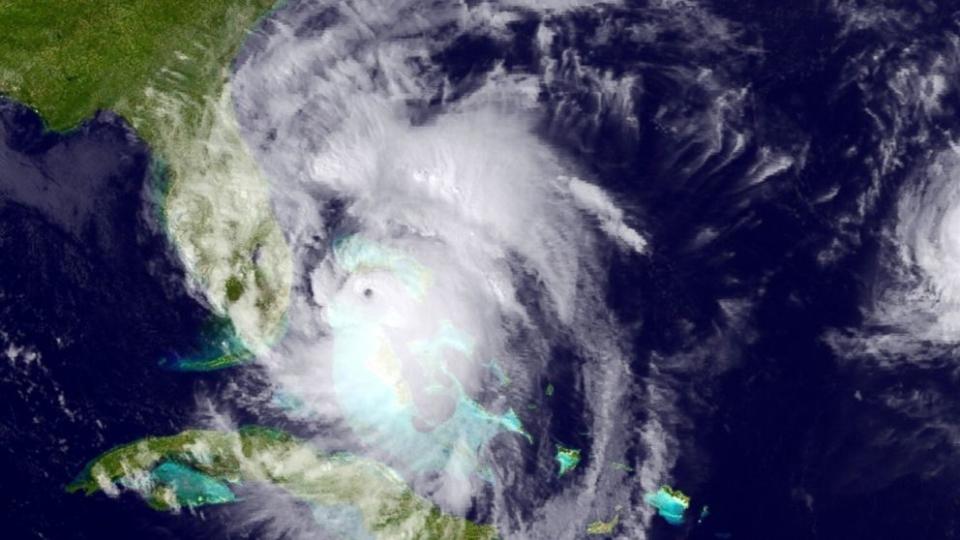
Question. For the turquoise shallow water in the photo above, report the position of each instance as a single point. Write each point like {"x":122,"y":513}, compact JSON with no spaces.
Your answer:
{"x":192,"y":488}
{"x":429,"y":423}
{"x":668,"y":505}
{"x":379,"y":402}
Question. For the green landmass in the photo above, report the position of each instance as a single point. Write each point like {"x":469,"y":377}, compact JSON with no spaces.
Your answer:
{"x":195,"y":467}
{"x":601,"y":527}
{"x":567,"y":459}
{"x":69,"y":59}
{"x":163,"y":65}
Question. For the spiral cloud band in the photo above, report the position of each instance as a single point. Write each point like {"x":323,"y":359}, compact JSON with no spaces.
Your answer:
{"x":438,"y":251}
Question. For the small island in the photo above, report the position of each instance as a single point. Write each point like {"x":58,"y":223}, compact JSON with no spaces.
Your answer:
{"x":670,"y":503}
{"x":567,"y":459}
{"x":601,"y":527}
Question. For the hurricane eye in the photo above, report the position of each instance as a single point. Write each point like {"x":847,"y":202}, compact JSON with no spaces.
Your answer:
{"x":368,"y":292}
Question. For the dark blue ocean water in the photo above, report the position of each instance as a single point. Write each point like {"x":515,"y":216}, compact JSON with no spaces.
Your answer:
{"x":90,"y":286}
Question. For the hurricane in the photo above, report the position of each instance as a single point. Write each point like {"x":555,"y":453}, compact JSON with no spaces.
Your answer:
{"x":477,"y":270}
{"x":442,"y":254}
{"x":923,"y":297}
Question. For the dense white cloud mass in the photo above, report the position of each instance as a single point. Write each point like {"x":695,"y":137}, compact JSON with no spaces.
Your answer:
{"x":914,"y":307}
{"x":438,"y":254}
{"x":929,"y":230}
{"x":917,"y":302}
